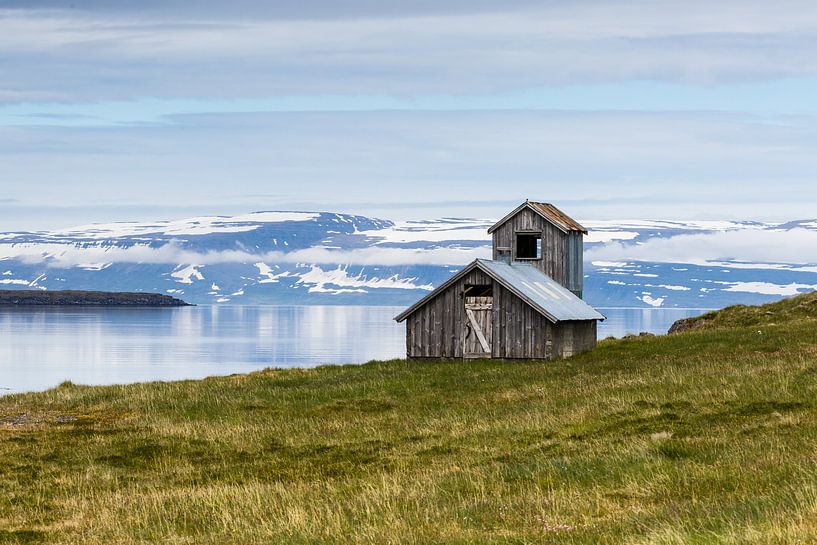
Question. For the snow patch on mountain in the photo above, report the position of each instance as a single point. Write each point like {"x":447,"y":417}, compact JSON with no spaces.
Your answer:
{"x":306,"y":258}
{"x":15,"y":281}
{"x":268,"y":276}
{"x":652,"y":301}
{"x":658,"y":225}
{"x":205,"y":225}
{"x":433,"y":231}
{"x":767,"y":288}
{"x":186,"y":275}
{"x":93,"y":266}
{"x":338,"y":281}
{"x":668,"y":287}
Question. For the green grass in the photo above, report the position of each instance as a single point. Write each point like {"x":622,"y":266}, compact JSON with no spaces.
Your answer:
{"x":786,"y":310}
{"x":708,"y":436}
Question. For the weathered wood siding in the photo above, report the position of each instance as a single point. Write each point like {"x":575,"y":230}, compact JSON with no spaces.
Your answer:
{"x":561,"y":252}
{"x":521,"y":332}
{"x":435,"y":330}
{"x":574,"y":263}
{"x":575,"y":337}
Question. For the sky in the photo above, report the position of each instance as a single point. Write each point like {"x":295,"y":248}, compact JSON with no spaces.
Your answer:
{"x":157,"y":109}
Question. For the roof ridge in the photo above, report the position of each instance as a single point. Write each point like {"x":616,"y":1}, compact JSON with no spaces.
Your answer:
{"x":549,"y":212}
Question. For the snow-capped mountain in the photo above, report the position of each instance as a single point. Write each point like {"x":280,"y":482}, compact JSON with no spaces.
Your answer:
{"x":323,"y":258}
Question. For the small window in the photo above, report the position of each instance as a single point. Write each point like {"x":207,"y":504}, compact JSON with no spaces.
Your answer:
{"x":476,"y":290}
{"x":528,"y":246}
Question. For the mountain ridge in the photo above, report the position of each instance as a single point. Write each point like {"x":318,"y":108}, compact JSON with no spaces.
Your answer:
{"x":298,"y":257}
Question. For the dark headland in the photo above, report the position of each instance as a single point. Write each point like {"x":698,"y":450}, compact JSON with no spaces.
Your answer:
{"x":87,"y":298}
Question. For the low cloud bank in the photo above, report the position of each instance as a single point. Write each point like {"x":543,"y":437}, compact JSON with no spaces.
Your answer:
{"x":797,"y":246}
{"x":64,"y":256}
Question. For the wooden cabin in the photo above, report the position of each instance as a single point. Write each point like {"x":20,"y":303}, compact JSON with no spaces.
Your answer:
{"x":542,"y":235}
{"x":524,"y":303}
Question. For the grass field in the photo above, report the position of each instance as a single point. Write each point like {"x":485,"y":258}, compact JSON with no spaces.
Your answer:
{"x":708,"y":436}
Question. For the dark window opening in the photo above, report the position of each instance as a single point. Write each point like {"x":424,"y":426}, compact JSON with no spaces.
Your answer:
{"x":528,"y":246}
{"x":476,"y":290}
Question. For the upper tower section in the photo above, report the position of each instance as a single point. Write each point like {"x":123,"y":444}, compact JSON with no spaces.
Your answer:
{"x":542,"y":235}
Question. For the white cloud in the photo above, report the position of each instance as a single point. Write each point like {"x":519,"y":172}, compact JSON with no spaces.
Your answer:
{"x":404,"y":52}
{"x":677,"y":164}
{"x":609,"y":263}
{"x":797,"y":246}
{"x":439,"y":53}
{"x":65,"y":255}
{"x":607,"y":236}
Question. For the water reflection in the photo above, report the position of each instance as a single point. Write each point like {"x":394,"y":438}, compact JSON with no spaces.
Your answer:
{"x":40,"y":348}
{"x":626,"y":321}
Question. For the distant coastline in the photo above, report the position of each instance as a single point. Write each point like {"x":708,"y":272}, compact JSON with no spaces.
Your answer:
{"x":87,"y":298}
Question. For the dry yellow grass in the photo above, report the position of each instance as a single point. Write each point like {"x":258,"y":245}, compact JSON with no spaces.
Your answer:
{"x":704,"y":437}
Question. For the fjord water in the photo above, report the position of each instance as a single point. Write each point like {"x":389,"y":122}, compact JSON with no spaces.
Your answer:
{"x":41,"y":347}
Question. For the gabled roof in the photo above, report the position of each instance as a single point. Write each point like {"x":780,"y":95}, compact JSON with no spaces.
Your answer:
{"x":541,"y":292}
{"x":548,"y":212}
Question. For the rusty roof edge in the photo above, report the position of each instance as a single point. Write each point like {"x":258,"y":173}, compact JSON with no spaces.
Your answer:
{"x":558,"y":218}
{"x":554,"y":214}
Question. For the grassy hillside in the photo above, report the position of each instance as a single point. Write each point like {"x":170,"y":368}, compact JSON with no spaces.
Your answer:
{"x":803,"y":307}
{"x":708,"y":436}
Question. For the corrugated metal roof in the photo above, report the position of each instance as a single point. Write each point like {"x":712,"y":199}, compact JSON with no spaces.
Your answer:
{"x":547,"y":211}
{"x":540,"y":291}
{"x":537,"y":289}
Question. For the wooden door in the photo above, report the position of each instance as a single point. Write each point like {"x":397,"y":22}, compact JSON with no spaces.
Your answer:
{"x":478,"y":319}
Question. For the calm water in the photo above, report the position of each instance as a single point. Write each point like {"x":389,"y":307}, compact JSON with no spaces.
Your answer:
{"x":40,"y":348}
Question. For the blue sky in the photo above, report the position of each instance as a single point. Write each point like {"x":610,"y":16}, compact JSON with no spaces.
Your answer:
{"x":635,"y":109}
